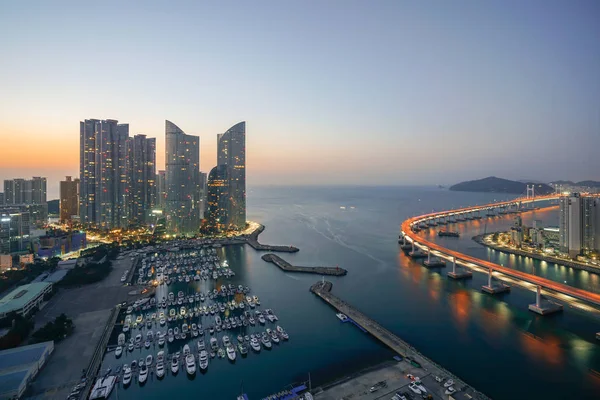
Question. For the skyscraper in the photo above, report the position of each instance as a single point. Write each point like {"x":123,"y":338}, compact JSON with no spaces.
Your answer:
{"x":579,"y":228}
{"x":217,"y":216}
{"x":182,"y":178}
{"x":231,"y":152}
{"x":142,"y":178}
{"x":161,"y":190}
{"x":25,"y":191}
{"x":38,"y":190}
{"x":69,"y":199}
{"x":103,"y":170}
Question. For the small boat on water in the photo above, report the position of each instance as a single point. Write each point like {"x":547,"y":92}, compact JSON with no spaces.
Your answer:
{"x":160,"y":369}
{"x":103,"y":387}
{"x":121,"y":339}
{"x":149,"y":359}
{"x":190,"y":364}
{"x":342,"y":317}
{"x":126,"y":375}
{"x":118,"y":351}
{"x":203,"y":360}
{"x":175,"y":365}
{"x":143,"y":374}
{"x":254,"y":343}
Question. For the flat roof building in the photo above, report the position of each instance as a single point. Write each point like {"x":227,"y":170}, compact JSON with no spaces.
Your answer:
{"x":19,"y":366}
{"x":24,"y":298}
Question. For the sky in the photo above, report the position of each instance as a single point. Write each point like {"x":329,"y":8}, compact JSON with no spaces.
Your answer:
{"x":332,"y":92}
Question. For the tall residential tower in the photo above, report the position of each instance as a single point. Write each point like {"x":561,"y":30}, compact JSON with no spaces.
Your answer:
{"x":142,"y":178}
{"x":182,"y":177}
{"x":231,"y":152}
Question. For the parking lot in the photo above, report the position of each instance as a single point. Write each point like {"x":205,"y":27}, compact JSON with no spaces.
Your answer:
{"x":89,"y":307}
{"x":394,"y":376}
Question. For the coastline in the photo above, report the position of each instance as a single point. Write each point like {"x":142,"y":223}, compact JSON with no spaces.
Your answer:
{"x":558,"y":261}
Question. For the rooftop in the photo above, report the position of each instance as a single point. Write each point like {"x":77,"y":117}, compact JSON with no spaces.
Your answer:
{"x":21,"y":296}
{"x":15,"y":364}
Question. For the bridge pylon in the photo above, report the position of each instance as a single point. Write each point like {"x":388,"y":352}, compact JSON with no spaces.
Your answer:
{"x":494,"y":287}
{"x":544,"y":306}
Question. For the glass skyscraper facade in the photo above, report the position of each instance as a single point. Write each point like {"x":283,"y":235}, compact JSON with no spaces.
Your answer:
{"x":217,"y":212}
{"x":231,"y":153}
{"x":182,"y":176}
{"x":142,"y":178}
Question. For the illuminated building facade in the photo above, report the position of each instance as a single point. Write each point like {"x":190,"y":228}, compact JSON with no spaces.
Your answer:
{"x":231,"y":153}
{"x":579,"y":224}
{"x":161,"y":190}
{"x":69,"y":199}
{"x":103,"y":170}
{"x":25,"y":191}
{"x":14,"y":230}
{"x":142,"y":178}
{"x":217,"y":213}
{"x":182,"y":177}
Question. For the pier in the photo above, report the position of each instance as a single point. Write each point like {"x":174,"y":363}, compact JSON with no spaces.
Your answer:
{"x":252,"y":240}
{"x":285,"y":266}
{"x":323,"y":290}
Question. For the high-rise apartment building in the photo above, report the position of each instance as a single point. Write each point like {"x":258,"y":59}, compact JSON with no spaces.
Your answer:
{"x":25,"y":191}
{"x":142,"y":178}
{"x":217,"y":213}
{"x":161,"y":190}
{"x":14,"y":230}
{"x":69,"y":199}
{"x":103,"y":170}
{"x":1,"y":198}
{"x":579,"y":224}
{"x":231,"y":152}
{"x":182,"y":178}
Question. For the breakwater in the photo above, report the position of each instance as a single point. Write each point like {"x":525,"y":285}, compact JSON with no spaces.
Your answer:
{"x":540,"y":257}
{"x":323,"y":290}
{"x":285,"y":266}
{"x":252,"y":240}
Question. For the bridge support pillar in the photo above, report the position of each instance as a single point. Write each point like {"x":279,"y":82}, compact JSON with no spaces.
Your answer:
{"x":543,"y":306}
{"x":494,"y":287}
{"x":459,"y":273}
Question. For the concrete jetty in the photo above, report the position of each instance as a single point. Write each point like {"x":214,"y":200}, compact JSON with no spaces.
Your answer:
{"x":284,"y":265}
{"x":412,"y":356}
{"x":252,"y":240}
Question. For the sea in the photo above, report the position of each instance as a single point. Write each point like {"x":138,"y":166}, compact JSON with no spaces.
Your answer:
{"x":491,"y":342}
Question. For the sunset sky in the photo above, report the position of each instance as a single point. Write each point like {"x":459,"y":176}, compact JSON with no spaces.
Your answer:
{"x":333,"y":92}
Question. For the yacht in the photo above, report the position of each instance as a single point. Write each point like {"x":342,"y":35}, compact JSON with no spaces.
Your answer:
{"x":161,"y":340}
{"x":342,"y":317}
{"x":184,"y":328}
{"x":103,"y":387}
{"x":186,"y":350}
{"x":265,"y":341}
{"x":282,"y":333}
{"x":203,"y":361}
{"x":256,"y":300}
{"x":118,"y":351}
{"x":243,"y":348}
{"x":261,"y":319}
{"x":150,"y":335}
{"x":130,"y":347}
{"x":254,"y":343}
{"x":143,"y":374}
{"x":174,"y":365}
{"x":162,"y":321}
{"x":274,"y":337}
{"x":231,"y":352}
{"x":121,"y":339}
{"x":126,"y":375}
{"x":149,"y":359}
{"x":448,"y":383}
{"x":214,"y":343}
{"x":176,"y":331}
{"x":160,"y":369}
{"x":147,"y":344}
{"x":190,"y":364}
{"x":414,"y":388}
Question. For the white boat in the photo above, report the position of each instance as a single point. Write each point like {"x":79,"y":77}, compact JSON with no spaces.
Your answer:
{"x":450,"y":390}
{"x":255,"y":344}
{"x":118,"y":351}
{"x":190,"y":364}
{"x":161,"y":341}
{"x":342,"y":317}
{"x":265,"y":341}
{"x":121,"y":339}
{"x":414,"y":388}
{"x":147,"y":344}
{"x":126,"y":375}
{"x":149,"y":359}
{"x":448,"y":383}
{"x":174,"y":365}
{"x":160,"y":369}
{"x":186,"y":350}
{"x":103,"y":387}
{"x":231,"y":352}
{"x":203,"y":361}
{"x":162,"y":321}
{"x":143,"y":373}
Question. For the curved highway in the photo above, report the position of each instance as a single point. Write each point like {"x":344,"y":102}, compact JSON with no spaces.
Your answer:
{"x":558,"y":290}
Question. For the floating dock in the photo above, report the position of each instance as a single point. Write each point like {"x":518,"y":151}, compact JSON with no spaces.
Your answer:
{"x":252,"y":240}
{"x":323,"y":290}
{"x":286,"y":266}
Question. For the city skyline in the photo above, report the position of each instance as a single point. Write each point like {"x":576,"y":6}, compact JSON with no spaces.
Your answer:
{"x":363,"y":88}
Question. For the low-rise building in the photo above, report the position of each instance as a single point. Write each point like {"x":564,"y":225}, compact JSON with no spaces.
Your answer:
{"x":5,"y":262}
{"x":24,"y":299}
{"x":19,"y":366}
{"x":57,"y":243}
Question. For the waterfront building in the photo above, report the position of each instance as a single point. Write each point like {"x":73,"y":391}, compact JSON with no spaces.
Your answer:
{"x":182,"y":176}
{"x":231,"y":152}
{"x":103,"y":170}
{"x":579,"y":224}
{"x":14,"y":230}
{"x":69,"y":199}
{"x":20,"y":365}
{"x":142,"y":178}
{"x":161,"y":190}
{"x":24,"y":299}
{"x":217,"y":214}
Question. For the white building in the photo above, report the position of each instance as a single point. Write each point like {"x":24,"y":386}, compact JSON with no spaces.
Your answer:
{"x":24,"y":298}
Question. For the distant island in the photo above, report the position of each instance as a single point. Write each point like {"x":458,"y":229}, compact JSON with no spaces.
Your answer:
{"x":498,"y":185}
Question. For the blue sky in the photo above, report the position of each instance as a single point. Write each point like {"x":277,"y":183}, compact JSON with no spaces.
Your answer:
{"x":348,"y":92}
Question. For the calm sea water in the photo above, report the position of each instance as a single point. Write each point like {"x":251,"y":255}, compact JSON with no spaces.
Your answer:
{"x":493,"y":343}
